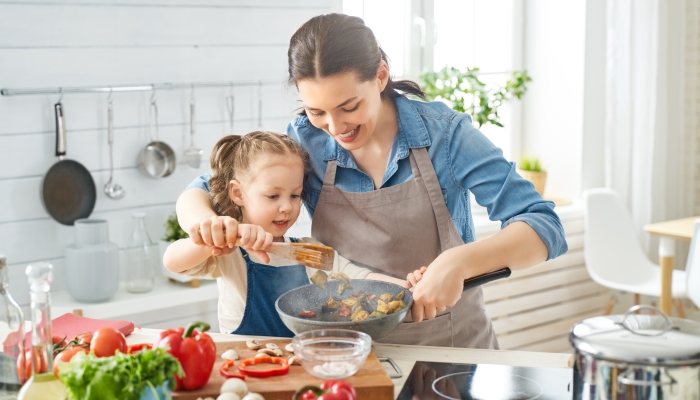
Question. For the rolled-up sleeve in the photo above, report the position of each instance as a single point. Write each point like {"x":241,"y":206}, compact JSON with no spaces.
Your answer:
{"x":478,"y":165}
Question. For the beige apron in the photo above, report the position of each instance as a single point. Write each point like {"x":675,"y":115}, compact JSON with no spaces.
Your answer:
{"x":392,"y":230}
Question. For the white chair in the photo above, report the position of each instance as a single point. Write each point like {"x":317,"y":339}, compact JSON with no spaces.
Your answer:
{"x":614,"y":257}
{"x":692,"y":267}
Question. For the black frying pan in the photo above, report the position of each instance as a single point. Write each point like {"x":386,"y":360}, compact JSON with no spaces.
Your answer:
{"x":68,"y":190}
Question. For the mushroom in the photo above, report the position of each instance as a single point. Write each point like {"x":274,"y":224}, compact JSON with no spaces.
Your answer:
{"x":235,"y":386}
{"x":289,"y":348}
{"x":253,"y":396}
{"x":272,"y":346}
{"x":294,"y":360}
{"x":261,"y":355}
{"x":253,"y":344}
{"x":230,"y":354}
{"x":228,"y":396}
{"x":269,"y":352}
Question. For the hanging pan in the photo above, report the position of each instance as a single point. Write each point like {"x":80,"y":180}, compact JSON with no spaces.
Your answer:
{"x":157,"y":159}
{"x":68,"y":190}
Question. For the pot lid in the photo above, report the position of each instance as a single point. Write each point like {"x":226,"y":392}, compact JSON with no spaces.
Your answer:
{"x":639,"y":338}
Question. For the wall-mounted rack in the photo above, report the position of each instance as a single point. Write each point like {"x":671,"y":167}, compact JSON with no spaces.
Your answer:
{"x":134,"y":88}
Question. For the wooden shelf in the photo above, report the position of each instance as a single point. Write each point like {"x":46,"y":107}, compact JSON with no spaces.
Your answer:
{"x":165,"y":294}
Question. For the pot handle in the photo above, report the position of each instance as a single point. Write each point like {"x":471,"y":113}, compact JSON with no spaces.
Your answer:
{"x":625,"y":379}
{"x":396,"y":368}
{"x":623,"y":323}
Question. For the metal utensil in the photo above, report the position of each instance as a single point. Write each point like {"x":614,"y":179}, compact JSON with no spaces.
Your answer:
{"x":68,"y":190}
{"x":230,"y":107}
{"x":193,"y":154}
{"x":157,"y":159}
{"x":112,"y":190}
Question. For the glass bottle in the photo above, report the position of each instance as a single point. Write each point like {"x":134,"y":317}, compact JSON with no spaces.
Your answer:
{"x":43,"y":384}
{"x":140,"y":257}
{"x":11,"y":338}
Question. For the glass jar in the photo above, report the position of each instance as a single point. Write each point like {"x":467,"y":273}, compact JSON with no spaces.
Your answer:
{"x":11,"y":338}
{"x":140,"y":257}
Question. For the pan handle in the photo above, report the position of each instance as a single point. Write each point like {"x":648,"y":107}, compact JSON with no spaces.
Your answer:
{"x":60,"y":131}
{"x":486,"y":278}
{"x":396,"y":368}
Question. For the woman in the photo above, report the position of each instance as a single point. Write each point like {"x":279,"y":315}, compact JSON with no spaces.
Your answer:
{"x":390,"y":181}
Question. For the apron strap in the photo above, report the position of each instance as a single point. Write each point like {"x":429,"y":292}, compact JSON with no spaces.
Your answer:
{"x":432,"y":185}
{"x":329,"y":177}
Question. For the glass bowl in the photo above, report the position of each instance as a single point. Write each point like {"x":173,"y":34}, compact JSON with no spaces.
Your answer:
{"x":332,"y":353}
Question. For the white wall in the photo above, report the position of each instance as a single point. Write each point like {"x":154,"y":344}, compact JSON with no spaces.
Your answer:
{"x":554,"y":49}
{"x":101,"y":43}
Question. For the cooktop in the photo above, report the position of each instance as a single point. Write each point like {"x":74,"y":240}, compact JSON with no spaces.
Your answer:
{"x":435,"y":380}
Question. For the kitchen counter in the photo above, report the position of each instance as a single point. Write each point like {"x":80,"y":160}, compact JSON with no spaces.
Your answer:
{"x":406,"y":356}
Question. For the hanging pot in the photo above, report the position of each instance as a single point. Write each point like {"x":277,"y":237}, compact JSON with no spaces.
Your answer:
{"x":157,"y":159}
{"x":636,"y":356}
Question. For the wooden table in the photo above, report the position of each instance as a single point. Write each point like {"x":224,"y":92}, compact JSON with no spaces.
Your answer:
{"x":669,"y":232}
{"x":406,"y":356}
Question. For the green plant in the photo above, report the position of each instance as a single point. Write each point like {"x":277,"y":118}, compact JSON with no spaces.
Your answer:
{"x":464,"y":92}
{"x":173,"y":231}
{"x":530,"y":164}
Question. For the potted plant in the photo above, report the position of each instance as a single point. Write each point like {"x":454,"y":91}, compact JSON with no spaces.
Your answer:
{"x":173,"y":232}
{"x":531,"y":169}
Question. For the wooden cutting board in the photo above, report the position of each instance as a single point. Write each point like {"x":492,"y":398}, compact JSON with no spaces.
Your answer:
{"x":370,"y":382}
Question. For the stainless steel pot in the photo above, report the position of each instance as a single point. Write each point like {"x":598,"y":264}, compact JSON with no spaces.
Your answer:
{"x":635,"y":356}
{"x":157,"y":159}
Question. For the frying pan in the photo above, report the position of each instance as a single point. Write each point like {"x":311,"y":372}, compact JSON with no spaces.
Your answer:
{"x":68,"y":190}
{"x":157,"y":159}
{"x":311,"y":297}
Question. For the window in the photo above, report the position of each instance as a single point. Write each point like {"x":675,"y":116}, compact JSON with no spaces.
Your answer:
{"x":422,"y":34}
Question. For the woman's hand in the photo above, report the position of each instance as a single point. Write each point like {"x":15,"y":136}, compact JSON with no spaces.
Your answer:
{"x":414,"y":277}
{"x":255,"y":240}
{"x":439,"y":287}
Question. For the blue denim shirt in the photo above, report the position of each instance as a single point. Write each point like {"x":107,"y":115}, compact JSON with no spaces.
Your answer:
{"x":463,"y":158}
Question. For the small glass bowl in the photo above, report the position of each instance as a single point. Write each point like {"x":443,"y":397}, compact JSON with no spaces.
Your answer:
{"x":332,"y":353}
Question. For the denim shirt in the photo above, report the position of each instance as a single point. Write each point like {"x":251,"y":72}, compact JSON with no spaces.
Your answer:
{"x":464,"y":161}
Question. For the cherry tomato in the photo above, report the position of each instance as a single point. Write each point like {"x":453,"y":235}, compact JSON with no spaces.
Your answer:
{"x":84,"y":338}
{"x":106,"y":341}
{"x":65,"y":356}
{"x":59,"y":341}
{"x":24,"y":365}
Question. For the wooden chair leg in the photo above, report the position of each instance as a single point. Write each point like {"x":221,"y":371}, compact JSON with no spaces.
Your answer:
{"x":611,"y":304}
{"x":679,"y":308}
{"x":637,"y":301}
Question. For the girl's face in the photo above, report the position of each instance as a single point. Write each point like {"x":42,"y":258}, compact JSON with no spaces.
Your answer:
{"x":270,"y":194}
{"x":344,"y":107}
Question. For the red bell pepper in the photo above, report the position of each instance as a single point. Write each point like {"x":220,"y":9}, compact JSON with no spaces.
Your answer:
{"x":264,"y":373}
{"x":329,"y":390}
{"x":196,"y":352}
{"x":224,"y":371}
{"x":135,"y":348}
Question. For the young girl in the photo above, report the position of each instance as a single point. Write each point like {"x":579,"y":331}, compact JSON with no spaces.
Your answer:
{"x":257,"y":180}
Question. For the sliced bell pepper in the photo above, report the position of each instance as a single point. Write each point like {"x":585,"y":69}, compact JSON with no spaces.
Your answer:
{"x":329,"y":390}
{"x":138,"y":347}
{"x":224,"y":371}
{"x":196,"y":352}
{"x":281,"y":370}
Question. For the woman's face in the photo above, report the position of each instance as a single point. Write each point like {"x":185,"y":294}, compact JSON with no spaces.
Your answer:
{"x":344,"y":107}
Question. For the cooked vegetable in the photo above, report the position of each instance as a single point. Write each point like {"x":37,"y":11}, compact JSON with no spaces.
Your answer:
{"x":307,"y":314}
{"x":319,"y":279}
{"x":196,"y":352}
{"x":361,"y":306}
{"x":121,"y":376}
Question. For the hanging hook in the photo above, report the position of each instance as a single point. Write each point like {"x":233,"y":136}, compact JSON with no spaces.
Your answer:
{"x":192,"y":93}
{"x":60,"y":90}
{"x":231,"y":89}
{"x":109,"y":98}
{"x":153,"y":93}
{"x":260,"y":123}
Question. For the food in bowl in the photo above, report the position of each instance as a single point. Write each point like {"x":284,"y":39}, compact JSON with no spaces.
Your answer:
{"x":332,"y":353}
{"x":361,"y":306}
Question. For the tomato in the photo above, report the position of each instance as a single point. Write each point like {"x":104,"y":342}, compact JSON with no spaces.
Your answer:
{"x":65,"y":356}
{"x":106,"y":341}
{"x":84,"y":338}
{"x":24,"y":365}
{"x":59,"y":341}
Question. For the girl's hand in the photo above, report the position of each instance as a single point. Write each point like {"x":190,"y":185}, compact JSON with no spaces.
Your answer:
{"x":219,"y":233}
{"x":414,"y":277}
{"x":255,"y":240}
{"x":440,"y":286}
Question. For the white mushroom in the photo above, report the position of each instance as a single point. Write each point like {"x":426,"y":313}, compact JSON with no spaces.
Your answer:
{"x":234,"y":385}
{"x":261,"y":355}
{"x":272,"y":346}
{"x":289,"y":348}
{"x":253,"y":344}
{"x":228,"y":396}
{"x":230,"y":354}
{"x":294,"y":360}
{"x":253,"y":396}
{"x":269,"y":352}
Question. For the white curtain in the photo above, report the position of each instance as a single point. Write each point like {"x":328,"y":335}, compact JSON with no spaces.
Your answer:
{"x":648,"y":132}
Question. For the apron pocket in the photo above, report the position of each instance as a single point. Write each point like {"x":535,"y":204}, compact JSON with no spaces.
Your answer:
{"x":434,"y":332}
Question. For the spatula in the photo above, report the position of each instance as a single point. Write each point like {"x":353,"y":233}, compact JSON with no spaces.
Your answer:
{"x":309,"y":255}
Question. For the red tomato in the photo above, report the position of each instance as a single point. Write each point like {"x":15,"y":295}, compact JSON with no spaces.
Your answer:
{"x":84,"y":338}
{"x":24,"y":365}
{"x":106,"y":341}
{"x":59,"y":341}
{"x":65,"y":356}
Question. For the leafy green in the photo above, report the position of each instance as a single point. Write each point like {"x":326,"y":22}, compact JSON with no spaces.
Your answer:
{"x":122,"y":376}
{"x":530,"y":164}
{"x":173,"y":231}
{"x":464,"y":92}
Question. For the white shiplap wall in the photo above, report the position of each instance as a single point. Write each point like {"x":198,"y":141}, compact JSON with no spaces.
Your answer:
{"x":101,"y":43}
{"x":692,"y":97}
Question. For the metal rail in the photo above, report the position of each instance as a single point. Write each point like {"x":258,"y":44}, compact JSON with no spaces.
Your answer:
{"x":134,"y":88}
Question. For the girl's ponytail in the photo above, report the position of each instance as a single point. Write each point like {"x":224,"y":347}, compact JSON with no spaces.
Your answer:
{"x":223,"y":157}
